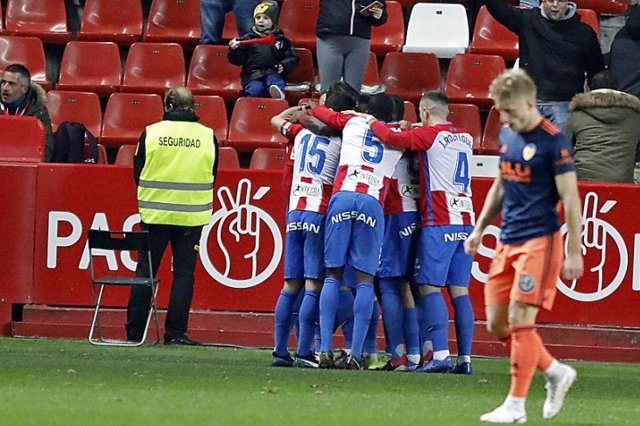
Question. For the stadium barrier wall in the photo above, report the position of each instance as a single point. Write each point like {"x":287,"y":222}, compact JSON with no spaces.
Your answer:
{"x":48,"y":208}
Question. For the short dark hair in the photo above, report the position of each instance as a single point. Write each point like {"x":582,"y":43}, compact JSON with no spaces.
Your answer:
{"x":341,"y":96}
{"x":381,"y":106}
{"x":363,"y":102}
{"x":22,"y":71}
{"x":398,"y":107}
{"x":603,"y":80}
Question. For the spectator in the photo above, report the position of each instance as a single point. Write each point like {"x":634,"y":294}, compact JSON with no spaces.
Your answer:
{"x":212,"y":14}
{"x":20,"y":96}
{"x":344,"y":39}
{"x":625,"y":54}
{"x":265,"y":54}
{"x":556,"y":50}
{"x":605,"y":131}
{"x":174,"y":169}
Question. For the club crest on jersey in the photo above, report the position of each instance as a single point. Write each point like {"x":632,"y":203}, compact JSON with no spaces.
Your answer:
{"x":528,"y":151}
{"x":526,"y":283}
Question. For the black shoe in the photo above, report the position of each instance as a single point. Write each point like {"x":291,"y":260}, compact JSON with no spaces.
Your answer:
{"x":182,"y":340}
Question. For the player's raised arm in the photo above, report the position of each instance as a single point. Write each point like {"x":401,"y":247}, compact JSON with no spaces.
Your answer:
{"x":567,"y":185}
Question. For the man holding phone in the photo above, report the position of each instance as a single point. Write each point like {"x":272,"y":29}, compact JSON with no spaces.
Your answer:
{"x":344,"y":39}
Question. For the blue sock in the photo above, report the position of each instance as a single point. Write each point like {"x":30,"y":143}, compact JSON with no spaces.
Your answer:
{"x":436,"y":318}
{"x":295,"y":314}
{"x":309,"y":311}
{"x":344,"y":316}
{"x":329,"y":297}
{"x":362,"y":309}
{"x":371,"y":341}
{"x":464,"y":323}
{"x":282,"y":319}
{"x":411,"y":330}
{"x":392,"y":317}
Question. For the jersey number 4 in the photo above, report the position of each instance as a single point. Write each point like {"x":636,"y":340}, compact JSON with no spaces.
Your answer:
{"x":461,"y":176}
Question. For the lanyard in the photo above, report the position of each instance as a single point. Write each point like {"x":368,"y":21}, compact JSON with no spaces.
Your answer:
{"x":5,"y":111}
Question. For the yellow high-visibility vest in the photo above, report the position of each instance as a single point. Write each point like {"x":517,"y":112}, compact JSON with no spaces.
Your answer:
{"x":176,"y":182}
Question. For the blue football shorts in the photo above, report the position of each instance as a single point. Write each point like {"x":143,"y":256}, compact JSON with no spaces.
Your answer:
{"x":441,"y":259}
{"x":304,"y":245}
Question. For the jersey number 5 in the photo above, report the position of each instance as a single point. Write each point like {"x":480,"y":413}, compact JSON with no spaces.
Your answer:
{"x":373,"y":155}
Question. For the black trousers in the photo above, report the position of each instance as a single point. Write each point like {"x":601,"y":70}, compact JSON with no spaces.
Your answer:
{"x":184,"y":242}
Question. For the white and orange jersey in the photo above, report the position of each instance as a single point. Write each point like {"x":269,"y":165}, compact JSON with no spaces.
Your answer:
{"x":366,"y":164}
{"x":404,"y":186}
{"x":315,"y":160}
{"x":444,"y":154}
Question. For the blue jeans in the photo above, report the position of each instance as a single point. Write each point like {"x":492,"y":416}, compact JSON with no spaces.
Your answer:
{"x":212,"y":13}
{"x":557,"y":112}
{"x":259,"y":87}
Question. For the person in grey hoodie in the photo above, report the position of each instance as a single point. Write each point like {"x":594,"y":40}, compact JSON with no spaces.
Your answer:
{"x":605,"y":131}
{"x":556,"y":50}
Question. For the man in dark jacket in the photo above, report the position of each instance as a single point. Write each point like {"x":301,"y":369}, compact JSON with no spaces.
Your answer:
{"x":22,"y":97}
{"x":265,"y":54}
{"x":556,"y":50}
{"x":625,"y":54}
{"x":344,"y":39}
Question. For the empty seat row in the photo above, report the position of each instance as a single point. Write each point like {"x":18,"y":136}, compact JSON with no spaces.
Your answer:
{"x":261,"y":158}
{"x":127,"y":114}
{"x":152,"y":67}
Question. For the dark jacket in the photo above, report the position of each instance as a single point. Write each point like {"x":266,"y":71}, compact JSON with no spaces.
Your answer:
{"x":342,"y":17}
{"x":555,"y":54}
{"x":141,"y":153}
{"x":605,"y":131}
{"x":625,"y":54}
{"x":36,"y":99}
{"x":259,"y":60}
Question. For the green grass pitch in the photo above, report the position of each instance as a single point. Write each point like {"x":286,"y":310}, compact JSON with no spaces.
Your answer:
{"x":65,"y":382}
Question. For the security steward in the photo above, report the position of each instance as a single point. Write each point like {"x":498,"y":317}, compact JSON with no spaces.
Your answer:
{"x":174,"y":169}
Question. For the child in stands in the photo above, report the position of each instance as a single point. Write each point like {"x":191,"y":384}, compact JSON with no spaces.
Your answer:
{"x":265,"y":54}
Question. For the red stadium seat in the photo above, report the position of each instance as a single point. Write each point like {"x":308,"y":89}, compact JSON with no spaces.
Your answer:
{"x":390,"y":36}
{"x":102,"y":153}
{"x":119,"y":21}
{"x":126,"y":116}
{"x":174,"y":21}
{"x":1,"y":22}
{"x":301,"y":76}
{"x":609,"y":7}
{"x":250,"y":125}
{"x":410,"y":113}
{"x":490,"y":145}
{"x":213,"y":113}
{"x":467,"y":116}
{"x":298,"y":21}
{"x":153,"y":67}
{"x":490,"y":37}
{"x":90,"y":66}
{"x":469,"y":77}
{"x":210,"y":73}
{"x":409,"y":75}
{"x":228,"y":158}
{"x":27,"y":51}
{"x":83,"y":107}
{"x":230,"y":28}
{"x":590,"y":18}
{"x":125,"y":155}
{"x":268,"y":158}
{"x":46,"y":20}
{"x":371,"y":75}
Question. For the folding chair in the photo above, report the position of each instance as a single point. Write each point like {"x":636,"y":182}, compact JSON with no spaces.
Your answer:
{"x":120,"y":241}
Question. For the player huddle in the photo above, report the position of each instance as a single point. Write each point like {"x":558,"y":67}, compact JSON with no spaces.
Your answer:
{"x":378,"y":213}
